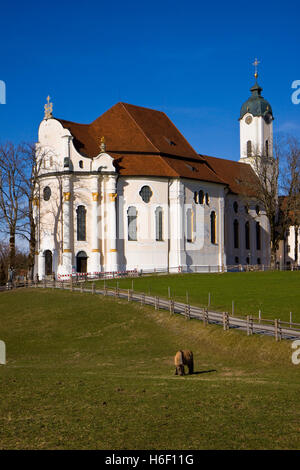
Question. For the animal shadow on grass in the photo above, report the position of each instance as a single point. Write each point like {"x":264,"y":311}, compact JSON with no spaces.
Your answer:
{"x":204,"y":371}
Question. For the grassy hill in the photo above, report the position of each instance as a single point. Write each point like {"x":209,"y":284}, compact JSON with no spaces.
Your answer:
{"x":88,"y":372}
{"x":275,"y":293}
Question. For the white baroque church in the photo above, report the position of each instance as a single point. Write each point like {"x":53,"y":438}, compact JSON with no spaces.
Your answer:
{"x":128,"y":192}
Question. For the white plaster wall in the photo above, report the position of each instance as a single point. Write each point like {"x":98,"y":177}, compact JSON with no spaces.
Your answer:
{"x":146,"y":252}
{"x":201,"y":252}
{"x":241,"y":252}
{"x":258,"y":132}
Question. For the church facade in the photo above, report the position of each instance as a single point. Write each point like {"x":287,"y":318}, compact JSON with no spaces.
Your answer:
{"x":128,"y":192}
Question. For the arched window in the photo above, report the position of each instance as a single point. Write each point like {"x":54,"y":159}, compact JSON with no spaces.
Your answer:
{"x":249,"y":148}
{"x":132,"y":223}
{"x":258,"y":236}
{"x":236,"y":233}
{"x":48,"y":262}
{"x":236,"y":260}
{"x":81,"y":223}
{"x":213,"y":231}
{"x":81,"y":262}
{"x":207,"y":198}
{"x":159,"y":224}
{"x":235,"y":207}
{"x":247,"y":235}
{"x":201,"y":196}
{"x":190,"y":225}
{"x":80,"y":164}
{"x":196,"y":197}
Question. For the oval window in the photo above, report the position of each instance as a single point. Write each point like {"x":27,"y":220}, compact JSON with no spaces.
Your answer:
{"x":47,"y":193}
{"x":146,"y":193}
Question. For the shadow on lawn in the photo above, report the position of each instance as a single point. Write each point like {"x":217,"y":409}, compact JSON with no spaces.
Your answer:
{"x":204,"y":371}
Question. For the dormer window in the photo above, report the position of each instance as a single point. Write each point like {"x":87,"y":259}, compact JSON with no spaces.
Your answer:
{"x":190,"y":167}
{"x":170,"y":142}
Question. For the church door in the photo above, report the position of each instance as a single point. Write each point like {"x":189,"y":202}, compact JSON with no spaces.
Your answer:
{"x":81,"y":262}
{"x":48,"y":263}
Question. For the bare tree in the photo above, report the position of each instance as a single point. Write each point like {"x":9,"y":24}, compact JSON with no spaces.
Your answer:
{"x":277,"y":188}
{"x":12,"y":195}
{"x":29,"y":174}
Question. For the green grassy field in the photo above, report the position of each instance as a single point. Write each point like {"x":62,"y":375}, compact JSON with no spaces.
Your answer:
{"x":275,"y":293}
{"x":88,"y":372}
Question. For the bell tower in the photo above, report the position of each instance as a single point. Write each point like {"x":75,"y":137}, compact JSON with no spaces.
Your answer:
{"x":256,"y":126}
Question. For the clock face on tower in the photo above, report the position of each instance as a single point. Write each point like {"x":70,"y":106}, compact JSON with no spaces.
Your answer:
{"x":268,"y":118}
{"x":248,"y":119}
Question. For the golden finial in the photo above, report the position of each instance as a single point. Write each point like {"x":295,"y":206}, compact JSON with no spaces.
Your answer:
{"x":48,"y":107}
{"x":255,"y":63}
{"x":102,"y":144}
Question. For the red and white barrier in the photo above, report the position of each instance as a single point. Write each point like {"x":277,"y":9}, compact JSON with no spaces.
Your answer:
{"x":99,"y":274}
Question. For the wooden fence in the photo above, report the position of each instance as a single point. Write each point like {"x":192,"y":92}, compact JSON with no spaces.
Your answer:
{"x":275,"y":327}
{"x":251,"y":324}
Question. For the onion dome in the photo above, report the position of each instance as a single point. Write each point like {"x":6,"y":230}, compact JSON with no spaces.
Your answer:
{"x":257,"y":105}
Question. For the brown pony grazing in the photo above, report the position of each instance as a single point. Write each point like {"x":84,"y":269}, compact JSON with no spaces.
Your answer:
{"x":184,"y":358}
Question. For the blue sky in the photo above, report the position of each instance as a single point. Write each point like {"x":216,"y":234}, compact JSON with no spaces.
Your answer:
{"x":192,"y":60}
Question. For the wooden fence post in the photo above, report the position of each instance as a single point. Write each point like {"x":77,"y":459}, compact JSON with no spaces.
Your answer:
{"x":251,"y":325}
{"x":276,"y":329}
{"x":248,"y":330}
{"x":205,"y":316}
{"x":279,"y":330}
{"x":291,"y":320}
{"x":171,"y":306}
{"x":225,"y":321}
{"x":128,"y":295}
{"x":187,"y":312}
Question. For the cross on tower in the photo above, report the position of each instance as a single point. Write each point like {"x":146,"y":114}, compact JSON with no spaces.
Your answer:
{"x":48,"y":107}
{"x":255,"y":63}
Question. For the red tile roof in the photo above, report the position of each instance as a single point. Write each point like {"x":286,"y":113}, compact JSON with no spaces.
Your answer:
{"x":240,"y":177}
{"x":144,"y":142}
